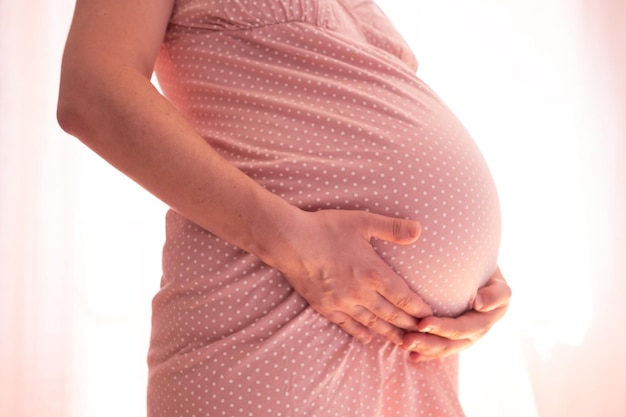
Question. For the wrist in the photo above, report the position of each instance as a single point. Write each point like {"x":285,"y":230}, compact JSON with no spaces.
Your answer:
{"x":272,"y":233}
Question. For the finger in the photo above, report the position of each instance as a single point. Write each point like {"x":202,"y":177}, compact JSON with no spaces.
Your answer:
{"x":383,"y":310}
{"x":350,"y":326}
{"x":392,"y":229}
{"x":470,"y":325}
{"x":495,"y":294}
{"x":417,"y":357}
{"x":378,"y":325}
{"x":427,"y":346}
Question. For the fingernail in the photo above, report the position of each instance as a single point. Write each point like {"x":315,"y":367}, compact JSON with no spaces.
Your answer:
{"x":414,"y":230}
{"x":427,"y":329}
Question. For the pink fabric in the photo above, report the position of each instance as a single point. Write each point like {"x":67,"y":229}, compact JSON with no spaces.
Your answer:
{"x":317,"y":100}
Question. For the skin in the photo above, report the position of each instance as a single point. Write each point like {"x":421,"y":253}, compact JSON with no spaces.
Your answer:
{"x":106,"y":100}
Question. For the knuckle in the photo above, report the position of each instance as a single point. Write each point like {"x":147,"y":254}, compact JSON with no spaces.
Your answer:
{"x":338,"y":318}
{"x":341,"y":322}
{"x":393,"y":335}
{"x":393,"y":317}
{"x":404,"y":302}
{"x":444,"y":350}
{"x":371,"y":320}
{"x":397,"y":228}
{"x":456,"y":334}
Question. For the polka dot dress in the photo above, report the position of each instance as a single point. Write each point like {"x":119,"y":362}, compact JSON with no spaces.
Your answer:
{"x":318,"y":101}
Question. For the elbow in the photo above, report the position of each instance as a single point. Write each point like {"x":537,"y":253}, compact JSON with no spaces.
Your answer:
{"x":78,"y":93}
{"x":70,"y":112}
{"x":65,"y":116}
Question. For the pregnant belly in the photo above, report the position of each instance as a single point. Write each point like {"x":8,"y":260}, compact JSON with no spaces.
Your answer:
{"x":347,"y":128}
{"x":425,"y":168}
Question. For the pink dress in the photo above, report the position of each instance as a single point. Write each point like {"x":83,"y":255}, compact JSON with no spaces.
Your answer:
{"x":318,"y":101}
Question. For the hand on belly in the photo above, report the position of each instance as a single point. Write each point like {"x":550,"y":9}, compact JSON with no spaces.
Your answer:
{"x":328,"y":259}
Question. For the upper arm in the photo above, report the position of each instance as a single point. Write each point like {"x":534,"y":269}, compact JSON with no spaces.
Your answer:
{"x":116,"y":33}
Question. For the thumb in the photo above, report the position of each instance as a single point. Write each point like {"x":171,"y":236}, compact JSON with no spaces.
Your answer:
{"x":495,"y":294}
{"x":392,"y":229}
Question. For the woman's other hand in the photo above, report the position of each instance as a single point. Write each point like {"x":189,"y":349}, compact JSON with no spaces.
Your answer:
{"x":441,"y":336}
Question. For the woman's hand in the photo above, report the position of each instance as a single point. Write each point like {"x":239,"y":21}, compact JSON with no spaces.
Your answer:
{"x":440,"y":336}
{"x":331,"y":263}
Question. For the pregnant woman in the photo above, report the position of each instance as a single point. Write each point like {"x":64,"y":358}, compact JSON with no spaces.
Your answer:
{"x":297,"y":151}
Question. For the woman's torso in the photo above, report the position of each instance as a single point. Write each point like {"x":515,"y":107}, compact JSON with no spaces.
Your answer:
{"x":318,"y":102}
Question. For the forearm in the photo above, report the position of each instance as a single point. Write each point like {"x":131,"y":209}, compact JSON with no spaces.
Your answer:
{"x":127,"y":122}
